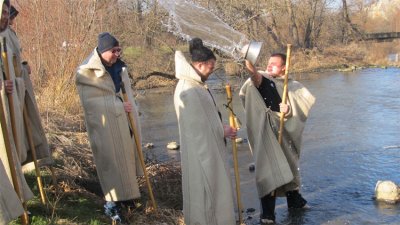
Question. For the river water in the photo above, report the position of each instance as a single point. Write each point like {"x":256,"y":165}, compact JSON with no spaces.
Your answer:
{"x":351,"y":140}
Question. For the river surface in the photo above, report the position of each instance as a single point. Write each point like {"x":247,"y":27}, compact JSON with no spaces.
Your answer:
{"x":351,"y":140}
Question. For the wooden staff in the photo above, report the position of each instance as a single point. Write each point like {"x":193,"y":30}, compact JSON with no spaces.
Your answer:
{"x":10,"y":158}
{"x":138,"y":147}
{"x":9,"y":95}
{"x":284,"y":94}
{"x":3,"y":121}
{"x":33,"y":151}
{"x":19,"y":74}
{"x":233,"y":124}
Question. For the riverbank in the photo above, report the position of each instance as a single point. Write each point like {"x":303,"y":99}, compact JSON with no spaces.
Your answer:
{"x":78,"y":199}
{"x":341,"y":58}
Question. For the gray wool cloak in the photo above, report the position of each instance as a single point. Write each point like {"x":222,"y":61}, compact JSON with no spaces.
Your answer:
{"x":10,"y":204}
{"x":276,"y":167}
{"x":107,"y":124}
{"x":18,"y":96}
{"x":43,"y":153}
{"x":17,"y":147}
{"x":208,"y":197}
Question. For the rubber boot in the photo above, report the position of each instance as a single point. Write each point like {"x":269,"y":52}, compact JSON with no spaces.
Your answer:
{"x":268,"y":209}
{"x":295,"y":200}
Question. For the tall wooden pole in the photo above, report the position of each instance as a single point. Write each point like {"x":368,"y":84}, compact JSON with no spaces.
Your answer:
{"x":139,"y":147}
{"x":33,"y":150}
{"x":9,"y":95}
{"x":233,"y":124}
{"x":284,"y":94}
{"x":10,"y":157}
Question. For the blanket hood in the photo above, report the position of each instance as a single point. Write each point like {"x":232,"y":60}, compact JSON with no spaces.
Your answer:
{"x":183,"y":69}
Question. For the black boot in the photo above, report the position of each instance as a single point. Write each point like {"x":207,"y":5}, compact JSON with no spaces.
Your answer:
{"x":295,"y":200}
{"x":132,"y":205}
{"x":268,"y":209}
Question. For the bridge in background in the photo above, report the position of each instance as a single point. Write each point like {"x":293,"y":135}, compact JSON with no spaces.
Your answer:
{"x":388,"y":36}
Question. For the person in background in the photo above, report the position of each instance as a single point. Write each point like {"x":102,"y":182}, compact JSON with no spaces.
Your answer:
{"x":206,"y":183}
{"x":98,"y":80}
{"x":10,"y":89}
{"x":27,"y":97}
{"x":277,"y":166}
{"x":10,"y":204}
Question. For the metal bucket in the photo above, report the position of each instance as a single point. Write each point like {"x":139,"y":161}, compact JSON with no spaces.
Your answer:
{"x":251,"y":51}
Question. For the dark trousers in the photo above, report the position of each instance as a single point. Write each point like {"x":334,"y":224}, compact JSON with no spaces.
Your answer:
{"x":294,"y":200}
{"x":268,"y":207}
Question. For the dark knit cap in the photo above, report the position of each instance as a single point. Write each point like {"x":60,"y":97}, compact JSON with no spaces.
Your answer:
{"x":199,"y":52}
{"x":13,"y":12}
{"x":7,"y":2}
{"x":106,"y":41}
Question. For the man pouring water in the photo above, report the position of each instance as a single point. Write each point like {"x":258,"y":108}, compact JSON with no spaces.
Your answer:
{"x":277,"y":165}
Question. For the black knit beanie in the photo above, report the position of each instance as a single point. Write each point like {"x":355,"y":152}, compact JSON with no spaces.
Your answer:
{"x":199,"y":52}
{"x":106,"y":41}
{"x":7,"y":2}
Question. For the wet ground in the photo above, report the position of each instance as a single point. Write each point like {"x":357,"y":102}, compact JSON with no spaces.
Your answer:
{"x":351,"y":140}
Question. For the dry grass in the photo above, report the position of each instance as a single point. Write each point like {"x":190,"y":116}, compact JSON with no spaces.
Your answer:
{"x":76,"y":173}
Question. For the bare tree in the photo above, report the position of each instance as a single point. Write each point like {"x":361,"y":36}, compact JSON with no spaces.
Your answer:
{"x":348,"y":27}
{"x":293,"y":31}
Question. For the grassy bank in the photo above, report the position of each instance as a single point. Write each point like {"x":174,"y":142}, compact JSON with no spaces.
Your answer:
{"x":77,"y":198}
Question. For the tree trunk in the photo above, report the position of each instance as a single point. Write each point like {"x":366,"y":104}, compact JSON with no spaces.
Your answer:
{"x":308,"y":42}
{"x":293,"y":31}
{"x":348,"y":23}
{"x":275,"y":34}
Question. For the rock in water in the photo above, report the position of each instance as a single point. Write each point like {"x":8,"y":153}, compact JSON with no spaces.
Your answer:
{"x":387,"y":191}
{"x":149,"y":145}
{"x":252,"y":167}
{"x":173,"y":145}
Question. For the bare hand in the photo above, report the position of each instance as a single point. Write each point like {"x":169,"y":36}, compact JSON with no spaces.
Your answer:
{"x":230,"y":132}
{"x":250,"y":67}
{"x":127,"y":107}
{"x":9,"y":86}
{"x":284,"y":108}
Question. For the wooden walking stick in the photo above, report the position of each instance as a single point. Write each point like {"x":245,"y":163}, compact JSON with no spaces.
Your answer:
{"x":24,"y":217}
{"x":9,"y":95}
{"x":284,"y":98}
{"x":28,"y":131}
{"x":33,"y":150}
{"x":284,"y":93}
{"x":138,"y":147}
{"x":233,"y":123}
{"x":18,"y":72}
{"x":10,"y":157}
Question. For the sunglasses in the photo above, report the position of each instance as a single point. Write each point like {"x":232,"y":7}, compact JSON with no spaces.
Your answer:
{"x":116,"y":50}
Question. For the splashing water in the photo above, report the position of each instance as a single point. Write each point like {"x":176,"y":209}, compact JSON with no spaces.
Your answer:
{"x":188,"y":20}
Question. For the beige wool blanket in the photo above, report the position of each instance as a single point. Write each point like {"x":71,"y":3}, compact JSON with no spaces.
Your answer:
{"x":276,"y":167}
{"x":18,"y":147}
{"x":18,"y":96}
{"x":43,"y":153}
{"x":208,"y":197}
{"x":107,"y":124}
{"x":10,"y":204}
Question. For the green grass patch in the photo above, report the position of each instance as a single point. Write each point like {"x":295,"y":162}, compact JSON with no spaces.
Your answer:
{"x":62,"y":207}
